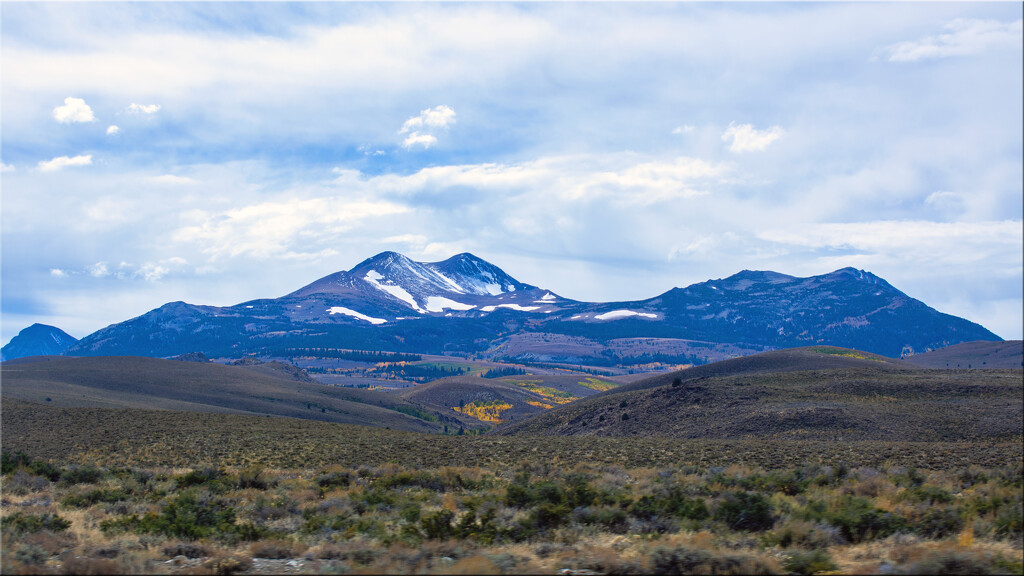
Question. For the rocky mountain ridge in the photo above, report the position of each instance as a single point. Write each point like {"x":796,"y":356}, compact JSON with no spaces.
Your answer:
{"x":466,"y":305}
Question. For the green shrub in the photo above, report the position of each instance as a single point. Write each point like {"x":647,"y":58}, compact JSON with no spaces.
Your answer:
{"x":189,"y":516}
{"x":334,"y":480}
{"x":81,"y":475}
{"x":748,"y":511}
{"x":28,"y":523}
{"x":438,"y":526}
{"x":213,"y":479}
{"x":938,"y":523}
{"x":93,"y":497}
{"x":1008,"y":523}
{"x":859,"y":521}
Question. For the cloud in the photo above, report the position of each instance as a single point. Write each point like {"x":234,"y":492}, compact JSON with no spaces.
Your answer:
{"x":73,"y":110}
{"x":289,"y":229}
{"x":436,"y":117}
{"x":746,"y":139}
{"x":172,"y":180}
{"x":143,"y":108}
{"x":913,"y":242}
{"x":99,"y":270}
{"x":963,"y":36}
{"x":6,"y":167}
{"x":684,"y":129}
{"x":58,"y":273}
{"x":112,"y":129}
{"x":417,"y":139}
{"x":419,"y":128}
{"x":63,"y":162}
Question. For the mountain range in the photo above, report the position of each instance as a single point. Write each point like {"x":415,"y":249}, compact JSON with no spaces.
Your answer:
{"x":467,"y":305}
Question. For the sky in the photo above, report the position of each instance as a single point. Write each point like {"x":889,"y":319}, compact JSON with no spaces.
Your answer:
{"x":216,"y":153}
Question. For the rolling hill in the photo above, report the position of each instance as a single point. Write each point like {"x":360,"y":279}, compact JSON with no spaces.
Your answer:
{"x":818,"y":393}
{"x":973,"y":355}
{"x":271,"y":389}
{"x":506,"y":399}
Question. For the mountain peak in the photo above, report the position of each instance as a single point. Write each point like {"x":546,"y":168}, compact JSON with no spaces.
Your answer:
{"x":37,"y":340}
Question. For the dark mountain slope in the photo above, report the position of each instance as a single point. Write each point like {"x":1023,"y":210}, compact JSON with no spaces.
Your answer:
{"x":861,"y":400}
{"x":37,"y":340}
{"x":126,"y":381}
{"x":469,"y":306}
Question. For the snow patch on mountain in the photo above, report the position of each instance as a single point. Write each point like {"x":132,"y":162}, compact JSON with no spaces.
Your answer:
{"x":620,"y":314}
{"x":511,"y":306}
{"x":374,"y":277}
{"x":439,"y":303}
{"x":354,"y":314}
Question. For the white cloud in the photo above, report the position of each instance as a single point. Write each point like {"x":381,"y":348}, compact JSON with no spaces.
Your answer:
{"x":417,"y":139}
{"x":58,"y":273}
{"x":436,"y":117}
{"x":914,"y":243}
{"x":172,"y":180}
{"x":143,"y":108}
{"x":963,"y":36}
{"x":73,"y":110}
{"x":64,"y":162}
{"x":6,"y":167}
{"x":112,"y":129}
{"x":99,"y":270}
{"x":290,"y":228}
{"x":746,"y":139}
{"x":419,"y":128}
{"x":684,"y":129}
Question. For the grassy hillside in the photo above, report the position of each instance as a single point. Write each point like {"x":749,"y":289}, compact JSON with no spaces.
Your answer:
{"x":507,"y":398}
{"x":124,"y":437}
{"x":267,"y":389}
{"x":973,"y":355}
{"x":820,"y":394}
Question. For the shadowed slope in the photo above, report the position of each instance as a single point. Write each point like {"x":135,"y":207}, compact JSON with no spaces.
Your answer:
{"x":134,"y":382}
{"x":800,"y":394}
{"x":979,"y":354}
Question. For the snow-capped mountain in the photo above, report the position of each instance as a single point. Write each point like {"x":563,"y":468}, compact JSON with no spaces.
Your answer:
{"x":465,"y":304}
{"x":390,"y":286}
{"x":37,"y":340}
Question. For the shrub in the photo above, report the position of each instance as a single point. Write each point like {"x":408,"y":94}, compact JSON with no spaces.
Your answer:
{"x":1008,"y":522}
{"x":334,"y":480}
{"x":93,"y":497}
{"x":748,"y":511}
{"x":81,"y":475}
{"x":276,"y":549}
{"x":253,"y":477}
{"x":186,"y":549}
{"x":438,"y":526}
{"x":859,"y":521}
{"x":950,"y":561}
{"x":938,"y":523}
{"x":212,"y":479}
{"x":188,"y":516}
{"x":31,"y":554}
{"x":23,"y":482}
{"x":809,"y":562}
{"x":28,"y":523}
